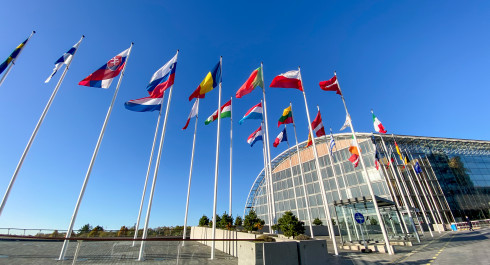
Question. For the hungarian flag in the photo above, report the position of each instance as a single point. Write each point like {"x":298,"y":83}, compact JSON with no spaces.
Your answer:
{"x":317,"y":125}
{"x":105,"y":74}
{"x":192,"y":114}
{"x":212,"y":79}
{"x":225,"y":112}
{"x":291,"y":79}
{"x":287,"y":117}
{"x":378,"y":127}
{"x":331,"y":85}
{"x":254,"y":113}
{"x":255,"y":79}
{"x":282,"y":137}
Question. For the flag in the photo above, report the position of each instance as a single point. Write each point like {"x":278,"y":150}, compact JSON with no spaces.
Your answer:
{"x":291,"y":79}
{"x":398,"y":152}
{"x":376,"y":159}
{"x":192,"y":114}
{"x":310,"y":141}
{"x":331,"y":85}
{"x":417,"y":168}
{"x":159,"y":82}
{"x":354,"y":159}
{"x":353,"y":147}
{"x":332,"y":142}
{"x":346,"y":123}
{"x":225,"y":111}
{"x":211,"y":80}
{"x":103,"y":76}
{"x":317,"y":125}
{"x":163,"y":78}
{"x":378,"y":127}
{"x":287,"y":117}
{"x":12,"y":56}
{"x":282,"y":137}
{"x":254,"y":113}
{"x":255,"y":79}
{"x":255,"y":136}
{"x":64,"y":59}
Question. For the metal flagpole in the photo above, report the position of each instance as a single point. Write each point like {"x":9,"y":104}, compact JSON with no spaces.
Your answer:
{"x":393,"y":194}
{"x":267,"y":188}
{"x":217,"y":161}
{"x":266,"y":141}
{"x":400,"y":188}
{"x":403,"y":181}
{"x":15,"y":59}
{"x":431,"y":188}
{"x":320,"y":178}
{"x":424,"y":195}
{"x":341,"y":166}
{"x":292,"y":175}
{"x":147,"y":174}
{"x":190,"y":172}
{"x":94,"y":155}
{"x":436,"y":190}
{"x":440,"y":188}
{"x":155,"y":173}
{"x":231,"y":148}
{"x":34,"y":133}
{"x":303,"y":181}
{"x":368,"y":180}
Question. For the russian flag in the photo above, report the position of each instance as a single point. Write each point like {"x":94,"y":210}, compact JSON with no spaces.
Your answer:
{"x":104,"y":75}
{"x":254,"y":113}
{"x":255,"y":136}
{"x":160,"y":81}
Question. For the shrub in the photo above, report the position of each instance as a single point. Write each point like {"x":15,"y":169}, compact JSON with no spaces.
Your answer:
{"x":238,"y":221}
{"x":55,"y":234}
{"x":317,"y":221}
{"x":251,"y":220}
{"x":123,"y":231}
{"x":226,"y":222}
{"x":85,"y":229}
{"x":302,"y":237}
{"x":96,"y":231}
{"x":373,"y":221}
{"x":204,"y":221}
{"x":266,"y":238}
{"x":290,"y":225}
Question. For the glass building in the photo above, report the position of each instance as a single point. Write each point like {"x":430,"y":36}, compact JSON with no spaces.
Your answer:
{"x":441,"y":180}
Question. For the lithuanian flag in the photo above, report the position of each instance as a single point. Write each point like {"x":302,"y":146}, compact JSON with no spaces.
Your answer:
{"x":211,"y":80}
{"x":287,"y":117}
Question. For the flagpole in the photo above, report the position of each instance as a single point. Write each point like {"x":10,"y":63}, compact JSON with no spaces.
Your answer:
{"x":266,"y":181}
{"x":155,"y":174}
{"x":375,"y":203}
{"x":303,"y":181}
{"x":400,"y":187}
{"x":320,"y":178}
{"x":94,"y":156}
{"x":190,"y":173}
{"x":217,"y":160}
{"x":336,"y":184}
{"x":393,"y":194}
{"x":434,"y":174}
{"x":34,"y":133}
{"x":147,"y":174}
{"x":268,"y":149}
{"x":431,"y":211}
{"x":292,"y":175}
{"x":231,"y":148}
{"x":15,"y":59}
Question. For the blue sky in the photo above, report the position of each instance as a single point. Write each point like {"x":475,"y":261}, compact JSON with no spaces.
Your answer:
{"x":421,"y":65}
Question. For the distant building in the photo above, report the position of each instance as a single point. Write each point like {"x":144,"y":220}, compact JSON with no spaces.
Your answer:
{"x":455,"y":171}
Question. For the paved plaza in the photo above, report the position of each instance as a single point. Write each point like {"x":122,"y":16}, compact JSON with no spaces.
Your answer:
{"x":469,"y":247}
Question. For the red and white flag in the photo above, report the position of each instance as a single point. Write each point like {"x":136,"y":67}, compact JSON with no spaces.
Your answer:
{"x":291,"y":79}
{"x":317,"y":125}
{"x":192,"y":114}
{"x":354,"y":159}
{"x":331,"y":85}
{"x":378,"y":126}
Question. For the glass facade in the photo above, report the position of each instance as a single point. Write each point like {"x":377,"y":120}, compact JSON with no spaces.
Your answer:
{"x":454,"y":180}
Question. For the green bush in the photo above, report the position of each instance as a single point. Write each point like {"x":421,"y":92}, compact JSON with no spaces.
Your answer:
{"x":290,"y":225}
{"x":252,"y":222}
{"x":238,"y":221}
{"x":317,"y":221}
{"x":204,"y":221}
{"x":266,"y":238}
{"x":373,"y":221}
{"x":96,"y":231}
{"x":302,"y":237}
{"x":226,"y":221}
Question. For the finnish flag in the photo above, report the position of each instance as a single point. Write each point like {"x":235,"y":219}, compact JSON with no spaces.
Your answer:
{"x":64,"y":59}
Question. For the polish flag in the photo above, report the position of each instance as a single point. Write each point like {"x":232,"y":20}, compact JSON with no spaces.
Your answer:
{"x":291,"y":79}
{"x":192,"y":114}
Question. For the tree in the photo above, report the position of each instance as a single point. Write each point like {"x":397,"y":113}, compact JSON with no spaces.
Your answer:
{"x":317,"y":221}
{"x":96,"y":231}
{"x":226,"y":221}
{"x":238,"y":221}
{"x":373,"y":221}
{"x":251,"y":220}
{"x":204,"y":221}
{"x":85,"y":229}
{"x":123,"y":231}
{"x":55,"y":234}
{"x":218,"y":221}
{"x":290,"y":225}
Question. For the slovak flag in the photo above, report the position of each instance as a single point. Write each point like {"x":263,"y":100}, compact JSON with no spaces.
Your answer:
{"x":254,"y":113}
{"x":282,"y":137}
{"x":255,"y":136}
{"x":104,"y":75}
{"x":291,"y":79}
{"x":160,"y":81}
